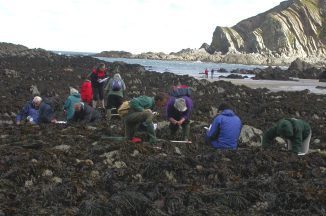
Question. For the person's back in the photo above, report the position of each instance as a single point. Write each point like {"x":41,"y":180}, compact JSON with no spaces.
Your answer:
{"x":86,"y":92}
{"x":46,"y":113}
{"x":85,"y":113}
{"x":115,"y":89}
{"x":73,"y":98}
{"x":225,"y":130}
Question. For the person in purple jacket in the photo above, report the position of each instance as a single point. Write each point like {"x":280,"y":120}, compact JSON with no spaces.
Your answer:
{"x":178,"y":113}
{"x":225,"y":129}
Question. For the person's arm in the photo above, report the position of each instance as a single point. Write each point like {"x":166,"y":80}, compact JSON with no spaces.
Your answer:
{"x":214,"y":131}
{"x":268,"y":136}
{"x":67,"y":104}
{"x":23,"y":114}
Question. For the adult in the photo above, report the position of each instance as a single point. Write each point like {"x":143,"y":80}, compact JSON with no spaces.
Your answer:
{"x":115,"y":90}
{"x":30,"y":111}
{"x":36,"y":112}
{"x":70,"y":102}
{"x":86,"y":91}
{"x":296,"y":132}
{"x":212,"y":73}
{"x":178,"y":113}
{"x":98,"y":80}
{"x":206,"y":73}
{"x":140,"y":112}
{"x":225,"y":129}
{"x":85,"y":114}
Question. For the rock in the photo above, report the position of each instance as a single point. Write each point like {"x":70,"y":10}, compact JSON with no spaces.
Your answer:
{"x":119,"y":165}
{"x":135,"y":153}
{"x":177,"y":150}
{"x":64,"y":148}
{"x":250,"y":136}
{"x":316,"y":142}
{"x":170,"y":176}
{"x":29,"y":183}
{"x":35,"y":92}
{"x":47,"y":173}
{"x":280,"y":141}
{"x":56,"y":180}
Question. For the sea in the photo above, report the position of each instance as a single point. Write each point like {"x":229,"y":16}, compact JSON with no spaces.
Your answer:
{"x":191,"y":68}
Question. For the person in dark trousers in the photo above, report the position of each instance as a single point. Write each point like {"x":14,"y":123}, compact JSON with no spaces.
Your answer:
{"x":85,"y":114}
{"x":97,"y":78}
{"x":115,"y":89}
{"x":68,"y":107}
{"x":140,"y":112}
{"x":178,"y":114}
{"x":225,"y":129}
{"x":296,"y":132}
{"x":212,"y":73}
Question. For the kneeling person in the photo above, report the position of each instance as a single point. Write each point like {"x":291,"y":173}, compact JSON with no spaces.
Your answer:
{"x":225,"y":129}
{"x":178,"y":113}
{"x":85,"y":113}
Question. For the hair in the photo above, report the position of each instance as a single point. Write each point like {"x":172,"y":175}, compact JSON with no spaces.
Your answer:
{"x":224,"y":106}
{"x":161,"y":96}
{"x":101,"y":65}
{"x":37,"y":99}
{"x":116,"y":76}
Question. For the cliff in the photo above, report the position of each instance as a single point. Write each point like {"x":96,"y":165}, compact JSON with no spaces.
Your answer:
{"x":293,"y":28}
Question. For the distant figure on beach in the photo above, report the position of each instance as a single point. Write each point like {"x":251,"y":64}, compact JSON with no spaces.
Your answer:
{"x":36,"y":112}
{"x":206,"y":73}
{"x":86,"y":91}
{"x":140,"y":112}
{"x":296,"y":132}
{"x":85,"y":114}
{"x":98,"y":80}
{"x":225,"y":129}
{"x":115,"y":89}
{"x":212,"y":73}
{"x":69,"y":106}
{"x":178,"y":114}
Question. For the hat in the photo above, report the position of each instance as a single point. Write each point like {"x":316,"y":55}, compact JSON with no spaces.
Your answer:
{"x":180,"y":104}
{"x":73,"y":90}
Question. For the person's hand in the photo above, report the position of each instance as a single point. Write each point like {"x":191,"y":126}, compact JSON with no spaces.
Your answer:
{"x":173,"y":121}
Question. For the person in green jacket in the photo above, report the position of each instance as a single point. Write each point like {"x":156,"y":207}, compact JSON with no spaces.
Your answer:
{"x":296,"y":132}
{"x":68,"y":107}
{"x":114,"y":90}
{"x":140,"y":112}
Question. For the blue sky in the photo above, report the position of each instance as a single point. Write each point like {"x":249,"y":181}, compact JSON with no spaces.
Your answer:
{"x":130,"y":25}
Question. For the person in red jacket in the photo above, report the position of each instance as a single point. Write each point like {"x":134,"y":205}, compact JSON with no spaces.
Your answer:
{"x":98,"y":80}
{"x":86,"y":91}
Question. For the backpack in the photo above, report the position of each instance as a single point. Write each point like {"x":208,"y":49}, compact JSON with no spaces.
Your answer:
{"x":124,"y":109}
{"x":181,"y":91}
{"x":116,"y":85}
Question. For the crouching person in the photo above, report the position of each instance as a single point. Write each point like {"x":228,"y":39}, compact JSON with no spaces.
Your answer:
{"x":296,"y":132}
{"x":85,"y":114}
{"x":225,"y":129}
{"x":36,"y":112}
{"x":178,"y":113}
{"x":69,"y":106}
{"x":140,"y":112}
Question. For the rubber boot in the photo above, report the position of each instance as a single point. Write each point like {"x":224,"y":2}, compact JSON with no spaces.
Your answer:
{"x":186,"y":131}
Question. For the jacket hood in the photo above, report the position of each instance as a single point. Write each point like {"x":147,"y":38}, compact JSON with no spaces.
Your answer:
{"x":227,"y":112}
{"x":285,"y":129}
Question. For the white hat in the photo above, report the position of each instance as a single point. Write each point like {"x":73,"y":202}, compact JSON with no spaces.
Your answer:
{"x":180,"y":104}
{"x":73,"y":90}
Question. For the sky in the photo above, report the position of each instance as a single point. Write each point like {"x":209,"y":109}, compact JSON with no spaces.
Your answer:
{"x":134,"y":26}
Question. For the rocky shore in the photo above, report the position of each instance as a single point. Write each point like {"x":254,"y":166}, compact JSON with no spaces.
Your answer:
{"x":77,"y":170}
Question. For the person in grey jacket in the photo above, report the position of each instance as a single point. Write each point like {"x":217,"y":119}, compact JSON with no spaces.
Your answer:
{"x":85,"y":114}
{"x":115,"y":89}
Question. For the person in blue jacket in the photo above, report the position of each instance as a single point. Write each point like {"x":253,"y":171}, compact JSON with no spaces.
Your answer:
{"x":30,"y":111}
{"x":225,"y":129}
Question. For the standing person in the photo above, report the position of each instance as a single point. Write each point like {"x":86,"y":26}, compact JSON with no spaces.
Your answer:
{"x":97,"y":78}
{"x":86,"y":91}
{"x":296,"y":132}
{"x":212,"y":73}
{"x":140,"y":112}
{"x":85,"y":114}
{"x":225,"y":129}
{"x":178,"y":113}
{"x":70,"y":103}
{"x":115,"y":90}
{"x":206,"y":73}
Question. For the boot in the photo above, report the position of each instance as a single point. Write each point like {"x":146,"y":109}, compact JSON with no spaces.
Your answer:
{"x":185,"y":131}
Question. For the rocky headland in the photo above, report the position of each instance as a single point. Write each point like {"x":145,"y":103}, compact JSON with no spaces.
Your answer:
{"x":78,"y":170}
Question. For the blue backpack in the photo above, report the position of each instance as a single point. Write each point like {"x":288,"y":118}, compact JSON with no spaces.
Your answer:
{"x":116,"y":85}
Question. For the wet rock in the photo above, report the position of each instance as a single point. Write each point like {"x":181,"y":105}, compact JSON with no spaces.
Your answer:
{"x":250,"y":136}
{"x":47,"y":173}
{"x":119,"y":164}
{"x":56,"y":180}
{"x":34,"y":91}
{"x":63,"y":148}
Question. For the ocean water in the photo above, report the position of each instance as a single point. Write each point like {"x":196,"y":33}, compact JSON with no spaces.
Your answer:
{"x":191,"y":68}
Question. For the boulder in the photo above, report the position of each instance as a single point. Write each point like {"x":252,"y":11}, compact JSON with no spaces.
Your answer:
{"x":250,"y":136}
